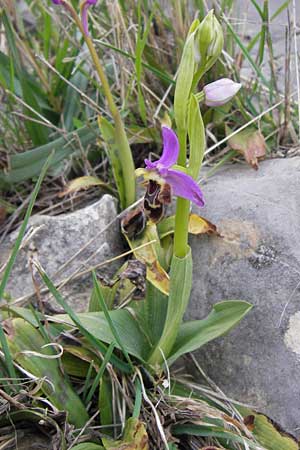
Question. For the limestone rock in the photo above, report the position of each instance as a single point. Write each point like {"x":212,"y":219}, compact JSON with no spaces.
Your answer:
{"x":258,"y":260}
{"x":54,"y":240}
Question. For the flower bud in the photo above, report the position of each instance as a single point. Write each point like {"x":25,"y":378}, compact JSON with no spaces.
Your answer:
{"x":220,"y":92}
{"x":210,"y":41}
{"x":84,"y":14}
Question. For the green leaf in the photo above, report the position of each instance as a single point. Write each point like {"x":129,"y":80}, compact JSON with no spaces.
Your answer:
{"x":72,"y":97}
{"x":180,"y":288}
{"x":151,"y":313}
{"x":271,"y":438}
{"x":109,"y":295}
{"x":29,"y":164}
{"x":112,"y":327}
{"x":133,"y":338}
{"x":37,"y":132}
{"x":105,"y":403}
{"x":24,"y":337}
{"x":212,"y":431}
{"x":108,"y":134}
{"x":192,"y":335}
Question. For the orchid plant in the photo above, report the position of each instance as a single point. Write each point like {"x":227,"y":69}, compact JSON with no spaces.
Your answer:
{"x":169,"y":286}
{"x":174,"y":174}
{"x":146,"y":325}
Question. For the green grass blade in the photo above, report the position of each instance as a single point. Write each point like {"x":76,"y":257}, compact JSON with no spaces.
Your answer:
{"x":87,"y":381}
{"x":46,"y":33}
{"x":7,"y":355}
{"x":280,"y":9}
{"x":99,"y":375}
{"x":138,"y":399}
{"x":162,"y":75}
{"x":258,"y":8}
{"x":246,"y":53}
{"x":140,"y":46}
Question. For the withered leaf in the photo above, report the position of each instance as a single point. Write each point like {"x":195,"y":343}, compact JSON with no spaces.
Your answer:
{"x":135,"y":437}
{"x":85,"y":182}
{"x":250,"y":143}
{"x":199,"y":225}
{"x":145,"y":250}
{"x":133,"y":223}
{"x":249,"y":422}
{"x":270,"y":434}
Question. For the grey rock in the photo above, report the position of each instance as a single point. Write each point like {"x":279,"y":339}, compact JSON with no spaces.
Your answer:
{"x":52,"y":241}
{"x":257,"y":259}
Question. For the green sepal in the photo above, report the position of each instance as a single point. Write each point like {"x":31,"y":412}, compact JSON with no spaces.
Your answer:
{"x":196,"y":133}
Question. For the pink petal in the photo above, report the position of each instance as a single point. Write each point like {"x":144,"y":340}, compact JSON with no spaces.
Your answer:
{"x":184,"y":185}
{"x":170,"y":150}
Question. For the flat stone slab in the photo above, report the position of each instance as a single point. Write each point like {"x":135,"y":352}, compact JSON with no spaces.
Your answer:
{"x":257,"y":259}
{"x":54,"y":240}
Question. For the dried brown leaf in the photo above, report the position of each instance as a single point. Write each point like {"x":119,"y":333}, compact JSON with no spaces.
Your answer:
{"x":80,"y":183}
{"x":250,"y":143}
{"x":199,"y":225}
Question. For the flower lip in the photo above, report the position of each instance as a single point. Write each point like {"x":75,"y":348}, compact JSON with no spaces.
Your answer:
{"x":220,"y":91}
{"x":57,"y":2}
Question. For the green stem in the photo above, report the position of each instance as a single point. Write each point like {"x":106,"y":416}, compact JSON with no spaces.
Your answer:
{"x":124,"y":152}
{"x":181,"y":227}
{"x":182,"y":207}
{"x":182,"y":136}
